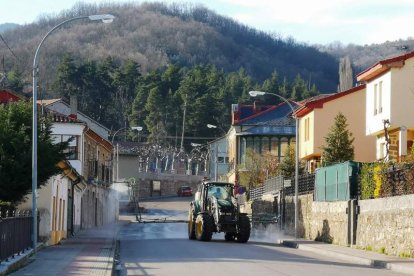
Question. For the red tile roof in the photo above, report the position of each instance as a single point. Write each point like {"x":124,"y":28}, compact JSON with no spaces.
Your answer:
{"x":7,"y":95}
{"x":318,"y":102}
{"x":383,"y":66}
{"x":105,"y":143}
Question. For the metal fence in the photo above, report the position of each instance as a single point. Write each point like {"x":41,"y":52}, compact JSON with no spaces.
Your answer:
{"x":306,"y":185}
{"x":256,"y":193}
{"x":15,"y":233}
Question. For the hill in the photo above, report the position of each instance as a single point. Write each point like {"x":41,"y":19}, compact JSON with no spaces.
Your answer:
{"x":155,"y":35}
{"x":363,"y":56}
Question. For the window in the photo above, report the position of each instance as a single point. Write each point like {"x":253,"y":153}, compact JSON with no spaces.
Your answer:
{"x":243,"y":150}
{"x":284,"y":143}
{"x":274,"y":146}
{"x":73,"y":148}
{"x":265,"y":145}
{"x":380,"y":97}
{"x":257,"y":144}
{"x":307,"y":130}
{"x":249,"y":143}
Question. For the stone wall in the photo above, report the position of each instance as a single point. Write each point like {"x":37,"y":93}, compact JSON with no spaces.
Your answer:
{"x":169,"y":183}
{"x":383,"y":225}
{"x":329,"y":222}
{"x":304,"y":215}
{"x":387,"y":225}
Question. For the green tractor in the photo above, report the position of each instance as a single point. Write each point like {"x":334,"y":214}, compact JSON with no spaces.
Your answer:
{"x":215,"y":209}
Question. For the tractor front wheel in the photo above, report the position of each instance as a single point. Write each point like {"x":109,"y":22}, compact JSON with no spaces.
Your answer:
{"x":204,"y":227}
{"x":243,"y":233}
{"x":191,"y":224}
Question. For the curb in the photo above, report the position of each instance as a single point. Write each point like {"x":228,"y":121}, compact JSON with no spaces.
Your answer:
{"x":9,"y":267}
{"x":116,"y":262}
{"x":18,"y":261}
{"x":354,"y":259}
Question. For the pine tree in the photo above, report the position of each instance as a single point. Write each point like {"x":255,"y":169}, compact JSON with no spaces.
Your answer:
{"x":154,"y":120}
{"x":15,"y":151}
{"x":338,"y":143}
{"x":14,"y":80}
{"x":288,"y":164}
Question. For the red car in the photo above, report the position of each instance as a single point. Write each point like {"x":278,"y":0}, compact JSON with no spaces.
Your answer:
{"x":184,"y":191}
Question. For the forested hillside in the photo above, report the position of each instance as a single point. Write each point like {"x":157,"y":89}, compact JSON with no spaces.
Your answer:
{"x":155,"y":34}
{"x":363,"y":56}
{"x":156,"y":62}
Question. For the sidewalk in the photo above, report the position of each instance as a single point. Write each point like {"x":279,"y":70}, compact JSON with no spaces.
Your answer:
{"x":357,"y":256}
{"x":90,"y":252}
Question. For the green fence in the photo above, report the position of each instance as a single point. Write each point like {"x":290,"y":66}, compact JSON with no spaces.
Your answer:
{"x":337,"y":182}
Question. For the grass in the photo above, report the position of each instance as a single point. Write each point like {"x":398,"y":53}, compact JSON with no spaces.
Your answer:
{"x":405,"y":255}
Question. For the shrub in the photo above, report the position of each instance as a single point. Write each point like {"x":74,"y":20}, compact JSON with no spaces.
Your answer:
{"x":367,"y":181}
{"x":377,"y":178}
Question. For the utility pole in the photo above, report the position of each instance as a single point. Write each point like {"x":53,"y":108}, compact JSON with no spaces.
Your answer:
{"x":182,"y":133}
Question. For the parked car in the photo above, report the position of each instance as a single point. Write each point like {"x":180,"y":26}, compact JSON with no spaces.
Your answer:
{"x":184,"y":191}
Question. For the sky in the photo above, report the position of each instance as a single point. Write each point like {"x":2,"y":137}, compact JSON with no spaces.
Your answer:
{"x":311,"y":21}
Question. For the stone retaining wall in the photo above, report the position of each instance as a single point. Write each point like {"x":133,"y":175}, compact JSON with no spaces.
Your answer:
{"x":384,"y":225}
{"x":329,"y":222}
{"x":169,"y":183}
{"x":387,"y":225}
{"x":304,"y":215}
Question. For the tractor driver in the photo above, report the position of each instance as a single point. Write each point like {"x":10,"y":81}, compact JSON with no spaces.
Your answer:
{"x":217,"y":194}
{"x":220,"y":193}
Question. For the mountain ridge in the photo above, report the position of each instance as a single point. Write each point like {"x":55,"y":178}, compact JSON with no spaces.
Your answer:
{"x":156,"y":34}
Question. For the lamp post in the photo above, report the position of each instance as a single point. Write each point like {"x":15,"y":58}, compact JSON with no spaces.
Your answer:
{"x":138,"y":129}
{"x":260,"y":93}
{"x":116,"y":150}
{"x":106,"y":18}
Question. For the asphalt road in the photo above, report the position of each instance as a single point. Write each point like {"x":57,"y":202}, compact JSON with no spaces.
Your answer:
{"x":159,"y":248}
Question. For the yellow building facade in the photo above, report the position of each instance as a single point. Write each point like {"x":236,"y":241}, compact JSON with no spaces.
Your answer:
{"x":317,"y":116}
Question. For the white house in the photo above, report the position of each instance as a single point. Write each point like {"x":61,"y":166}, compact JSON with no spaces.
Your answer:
{"x":389,"y":105}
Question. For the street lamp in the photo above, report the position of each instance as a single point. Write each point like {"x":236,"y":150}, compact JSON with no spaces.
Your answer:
{"x":106,"y":18}
{"x":138,"y":129}
{"x":261,"y":93}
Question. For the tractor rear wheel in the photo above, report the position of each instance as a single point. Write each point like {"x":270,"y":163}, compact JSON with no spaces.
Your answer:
{"x":204,"y":227}
{"x":191,"y":224}
{"x":243,"y":233}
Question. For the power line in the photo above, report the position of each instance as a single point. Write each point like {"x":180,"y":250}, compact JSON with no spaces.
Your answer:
{"x":7,"y":45}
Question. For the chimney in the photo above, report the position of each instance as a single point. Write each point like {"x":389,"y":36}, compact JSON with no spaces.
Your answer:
{"x":257,"y":106}
{"x":73,"y":107}
{"x":235,"y":114}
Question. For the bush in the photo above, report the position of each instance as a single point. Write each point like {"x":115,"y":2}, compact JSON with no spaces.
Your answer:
{"x":386,"y":179}
{"x":367,"y":181}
